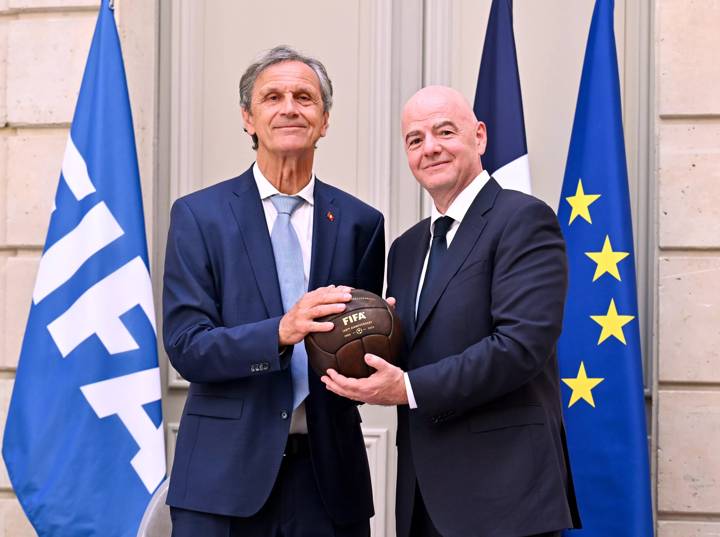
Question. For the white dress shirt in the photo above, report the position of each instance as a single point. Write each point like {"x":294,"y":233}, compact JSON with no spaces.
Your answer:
{"x":302,"y":223}
{"x":457,"y":211}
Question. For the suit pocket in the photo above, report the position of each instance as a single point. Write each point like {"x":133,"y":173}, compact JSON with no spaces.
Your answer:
{"x":471,"y":270}
{"x":509,"y":449}
{"x":507,"y":417}
{"x":213,"y":406}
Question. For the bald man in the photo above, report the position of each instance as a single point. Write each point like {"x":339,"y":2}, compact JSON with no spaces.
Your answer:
{"x":480,"y":289}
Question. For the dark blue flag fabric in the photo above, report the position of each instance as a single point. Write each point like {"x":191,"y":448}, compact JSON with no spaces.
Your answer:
{"x":498,"y":102}
{"x":599,"y":350}
{"x":84,"y":440}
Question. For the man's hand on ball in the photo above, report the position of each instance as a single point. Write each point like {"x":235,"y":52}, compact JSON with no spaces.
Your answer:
{"x":391,"y":302}
{"x":384,"y":387}
{"x":300,"y":320}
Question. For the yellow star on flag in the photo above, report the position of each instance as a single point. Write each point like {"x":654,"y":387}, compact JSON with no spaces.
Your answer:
{"x":607,"y":260}
{"x":612,"y":323}
{"x":580,"y":203}
{"x":582,"y":386}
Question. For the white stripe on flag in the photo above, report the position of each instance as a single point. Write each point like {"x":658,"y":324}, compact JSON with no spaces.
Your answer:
{"x":515,"y":175}
{"x":125,"y":396}
{"x":75,"y":172}
{"x":98,"y":311}
{"x":96,"y":230}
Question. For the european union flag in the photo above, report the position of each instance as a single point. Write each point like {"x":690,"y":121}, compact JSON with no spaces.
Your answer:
{"x":498,"y":102}
{"x":599,"y":350}
{"x":84,"y":442}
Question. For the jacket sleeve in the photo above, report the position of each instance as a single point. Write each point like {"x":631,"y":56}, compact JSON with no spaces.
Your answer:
{"x":529,"y":282}
{"x":200,"y":348}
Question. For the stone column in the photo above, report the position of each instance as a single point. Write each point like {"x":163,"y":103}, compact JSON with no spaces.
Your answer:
{"x":687,"y":130}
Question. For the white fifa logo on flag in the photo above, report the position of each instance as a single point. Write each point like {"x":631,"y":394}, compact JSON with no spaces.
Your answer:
{"x":98,"y":312}
{"x":125,"y":396}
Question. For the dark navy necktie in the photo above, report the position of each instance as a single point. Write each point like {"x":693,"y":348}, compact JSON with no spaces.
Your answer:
{"x":438,"y":249}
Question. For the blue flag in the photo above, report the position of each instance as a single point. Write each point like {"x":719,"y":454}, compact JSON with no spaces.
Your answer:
{"x":599,"y":350}
{"x":84,"y":442}
{"x":498,"y":102}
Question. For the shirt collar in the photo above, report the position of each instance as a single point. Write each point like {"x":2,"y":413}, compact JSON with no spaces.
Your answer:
{"x":266,"y":188}
{"x":460,"y":205}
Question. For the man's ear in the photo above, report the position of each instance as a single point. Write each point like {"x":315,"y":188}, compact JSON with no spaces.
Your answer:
{"x":326,"y":124}
{"x":481,"y":137}
{"x":248,"y":123}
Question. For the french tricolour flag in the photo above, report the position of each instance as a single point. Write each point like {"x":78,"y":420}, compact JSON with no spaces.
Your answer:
{"x":498,"y":102}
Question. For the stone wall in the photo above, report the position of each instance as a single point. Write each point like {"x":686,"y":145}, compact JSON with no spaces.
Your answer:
{"x":43,"y":49}
{"x":687,"y":133}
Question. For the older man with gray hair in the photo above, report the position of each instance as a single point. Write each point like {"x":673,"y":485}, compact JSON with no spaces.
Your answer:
{"x":263,"y":449}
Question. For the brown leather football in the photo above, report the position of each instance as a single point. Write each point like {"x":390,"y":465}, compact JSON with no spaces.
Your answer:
{"x":368,"y":324}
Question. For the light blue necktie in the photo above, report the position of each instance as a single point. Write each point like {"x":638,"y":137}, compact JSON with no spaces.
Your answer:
{"x":289,"y":264}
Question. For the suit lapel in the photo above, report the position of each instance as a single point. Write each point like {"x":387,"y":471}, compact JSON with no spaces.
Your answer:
{"x":465,"y":239}
{"x":326,"y":220}
{"x":250,"y":216}
{"x":412,"y":265}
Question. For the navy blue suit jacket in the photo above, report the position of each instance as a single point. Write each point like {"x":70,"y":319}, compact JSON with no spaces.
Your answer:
{"x":222,"y":308}
{"x":486,"y":444}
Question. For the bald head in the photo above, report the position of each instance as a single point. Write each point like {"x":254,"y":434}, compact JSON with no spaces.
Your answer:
{"x":443,"y":142}
{"x":436,"y":98}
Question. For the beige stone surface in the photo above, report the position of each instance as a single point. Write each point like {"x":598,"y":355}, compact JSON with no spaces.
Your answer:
{"x":38,"y":4}
{"x":688,"y":529}
{"x":45,"y":61}
{"x":6,"y":386}
{"x":13,"y":522}
{"x":19,"y":277}
{"x":689,"y":319}
{"x":688,"y":440}
{"x":689,"y":184}
{"x":3,"y":69}
{"x":34,"y":161}
{"x":688,"y":70}
{"x":3,"y":329}
{"x":3,"y":184}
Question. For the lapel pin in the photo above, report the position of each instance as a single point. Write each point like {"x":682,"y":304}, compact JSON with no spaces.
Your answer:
{"x":330,"y":216}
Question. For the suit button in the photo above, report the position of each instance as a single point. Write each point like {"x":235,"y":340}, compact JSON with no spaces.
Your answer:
{"x":284,"y":414}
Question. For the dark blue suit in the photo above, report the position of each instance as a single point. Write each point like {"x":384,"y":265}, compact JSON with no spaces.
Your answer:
{"x":222,"y":307}
{"x":486,"y":445}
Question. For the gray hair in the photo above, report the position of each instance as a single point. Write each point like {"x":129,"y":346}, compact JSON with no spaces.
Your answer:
{"x":280,"y":54}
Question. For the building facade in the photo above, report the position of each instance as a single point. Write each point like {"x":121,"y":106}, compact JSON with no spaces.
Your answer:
{"x":183,"y":60}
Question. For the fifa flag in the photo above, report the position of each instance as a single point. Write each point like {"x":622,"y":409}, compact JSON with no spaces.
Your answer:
{"x":84,"y":441}
{"x":498,"y":102}
{"x":599,"y":350}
